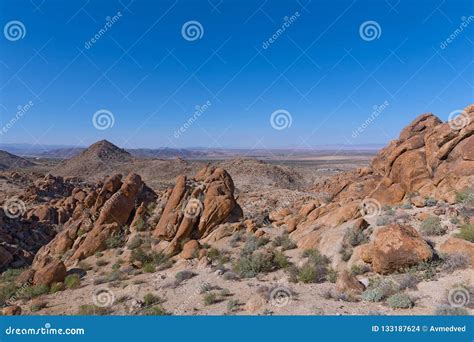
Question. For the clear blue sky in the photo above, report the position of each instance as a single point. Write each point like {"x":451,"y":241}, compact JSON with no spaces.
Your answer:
{"x":150,"y":78}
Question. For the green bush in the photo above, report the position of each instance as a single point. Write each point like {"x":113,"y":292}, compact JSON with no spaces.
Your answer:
{"x":379,"y":289}
{"x":432,"y":226}
{"x":466,"y":197}
{"x":232,"y":305}
{"x":33,"y":291}
{"x":92,"y":310}
{"x":72,"y":281}
{"x":253,"y":243}
{"x":400,"y":301}
{"x":467,"y":232}
{"x":151,"y":299}
{"x":56,"y":287}
{"x":210,"y":298}
{"x":156,"y":311}
{"x":249,"y":265}
{"x":284,"y":242}
{"x":183,"y":275}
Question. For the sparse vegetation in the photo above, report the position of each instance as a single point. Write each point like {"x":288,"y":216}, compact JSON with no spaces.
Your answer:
{"x":430,"y":202}
{"x":456,"y":261}
{"x":157,"y":310}
{"x":466,"y":232}
{"x":92,"y":310}
{"x":232,"y":305}
{"x":72,"y":281}
{"x":400,"y":301}
{"x":33,"y":291}
{"x":284,"y":242}
{"x":249,"y":265}
{"x":210,"y":298}
{"x":152,"y":261}
{"x":38,"y":305}
{"x":379,"y":288}
{"x":183,"y":275}
{"x":316,"y":269}
{"x":151,"y":299}
{"x":432,"y":226}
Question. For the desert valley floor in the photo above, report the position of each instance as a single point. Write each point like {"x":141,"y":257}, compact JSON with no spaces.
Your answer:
{"x":104,"y":231}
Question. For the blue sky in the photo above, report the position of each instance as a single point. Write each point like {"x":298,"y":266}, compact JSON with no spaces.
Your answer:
{"x":319,"y":70}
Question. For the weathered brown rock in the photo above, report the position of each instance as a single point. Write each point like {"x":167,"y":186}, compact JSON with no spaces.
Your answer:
{"x":454,"y":245}
{"x":53,"y":272}
{"x":13,"y":310}
{"x":348,"y":284}
{"x":396,"y":247}
{"x":190,"y":250}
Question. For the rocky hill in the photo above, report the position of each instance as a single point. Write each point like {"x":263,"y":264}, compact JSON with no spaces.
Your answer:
{"x":10,"y":161}
{"x":103,"y":155}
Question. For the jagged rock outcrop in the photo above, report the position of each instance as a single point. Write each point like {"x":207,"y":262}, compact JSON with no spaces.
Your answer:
{"x":429,"y":159}
{"x":196,"y":206}
{"x":94,"y":222}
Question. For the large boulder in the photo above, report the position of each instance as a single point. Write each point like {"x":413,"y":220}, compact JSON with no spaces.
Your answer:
{"x":195,"y":207}
{"x":455,"y":245}
{"x":396,"y":247}
{"x":52,"y":272}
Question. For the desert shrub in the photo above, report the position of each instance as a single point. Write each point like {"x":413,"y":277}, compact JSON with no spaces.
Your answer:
{"x":117,"y":239}
{"x":56,"y":287}
{"x":355,"y":237}
{"x":101,"y":262}
{"x":448,"y":310}
{"x":72,"y":281}
{"x":383,"y":220}
{"x":466,"y":196}
{"x":466,"y":232}
{"x":400,"y":301}
{"x":157,"y":310}
{"x":236,"y":238}
{"x":232,"y":305}
{"x":379,"y":289}
{"x":7,"y":291}
{"x":430,"y":202}
{"x":210,"y":298}
{"x":331,"y":275}
{"x":253,"y":243}
{"x":149,"y":267}
{"x":84,"y":265}
{"x":359,"y":269}
{"x":33,"y":291}
{"x":407,"y":206}
{"x":135,"y":242}
{"x":408,"y":281}
{"x":432,"y":226}
{"x":315,"y":270}
{"x":92,"y":310}
{"x":456,"y":261}
{"x":230,"y":276}
{"x":249,"y":265}
{"x":10,"y":275}
{"x":140,"y":224}
{"x":183,"y":275}
{"x":157,"y":260}
{"x":37,"y":306}
{"x":284,"y":242}
{"x":426,"y":269}
{"x":151,"y":299}
{"x":346,"y":253}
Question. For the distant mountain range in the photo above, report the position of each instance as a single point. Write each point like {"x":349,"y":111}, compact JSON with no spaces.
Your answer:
{"x":67,"y":152}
